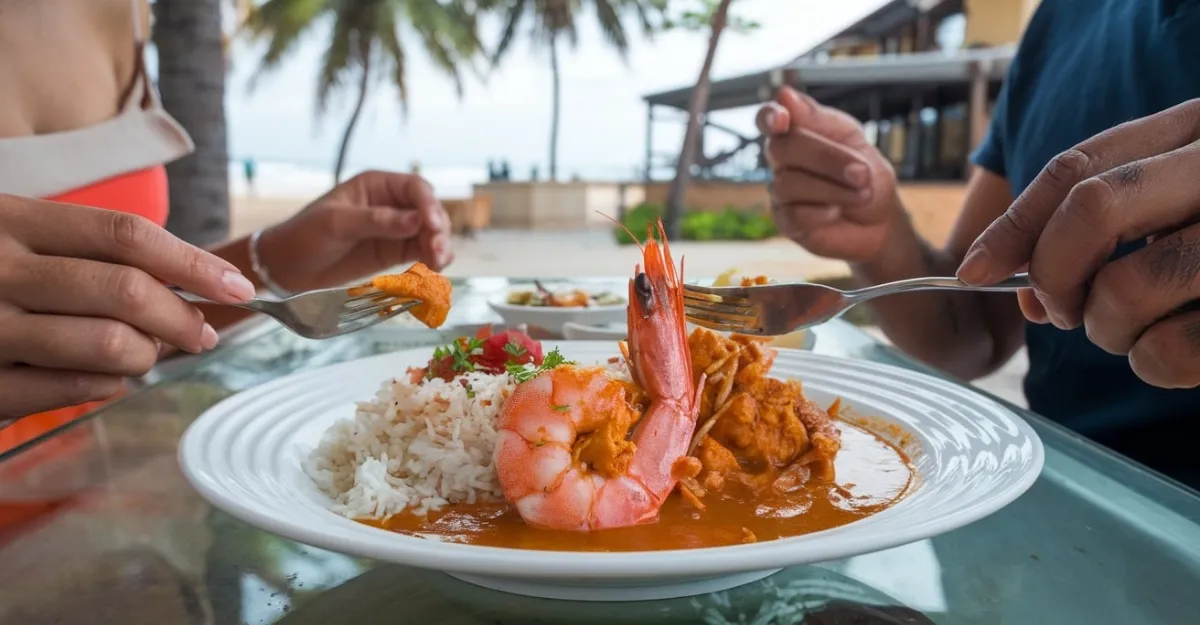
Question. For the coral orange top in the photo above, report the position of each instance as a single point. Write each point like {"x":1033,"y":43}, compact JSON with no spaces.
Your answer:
{"x":114,"y":165}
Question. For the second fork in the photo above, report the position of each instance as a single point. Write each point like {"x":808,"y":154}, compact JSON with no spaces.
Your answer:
{"x":776,"y":309}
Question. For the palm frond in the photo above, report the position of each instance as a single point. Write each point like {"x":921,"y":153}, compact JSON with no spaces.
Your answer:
{"x":281,"y":23}
{"x":337,"y":60}
{"x":512,"y":19}
{"x":393,"y":50}
{"x":611,"y":26}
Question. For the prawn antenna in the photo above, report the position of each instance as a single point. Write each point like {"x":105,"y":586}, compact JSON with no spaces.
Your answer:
{"x":626,"y":229}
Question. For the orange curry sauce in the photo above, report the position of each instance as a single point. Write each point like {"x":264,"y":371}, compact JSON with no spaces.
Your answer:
{"x":871,"y":475}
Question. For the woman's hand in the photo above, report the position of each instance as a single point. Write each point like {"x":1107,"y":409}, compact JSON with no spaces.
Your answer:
{"x":367,"y":224}
{"x":1138,"y":181}
{"x":83,"y":302}
{"x":833,"y":192}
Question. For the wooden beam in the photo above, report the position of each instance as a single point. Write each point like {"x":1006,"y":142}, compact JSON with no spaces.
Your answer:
{"x":977,"y":110}
{"x":649,"y":142}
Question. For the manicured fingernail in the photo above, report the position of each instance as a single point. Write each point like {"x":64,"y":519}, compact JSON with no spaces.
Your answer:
{"x":209,"y":337}
{"x":856,"y":174}
{"x":770,"y":118}
{"x":238,"y":286}
{"x":975,"y":267}
{"x":831,"y":214}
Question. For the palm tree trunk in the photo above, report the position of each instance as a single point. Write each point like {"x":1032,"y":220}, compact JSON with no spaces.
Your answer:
{"x":191,"y":78}
{"x":691,"y":137}
{"x":363,"y":85}
{"x":554,"y":115}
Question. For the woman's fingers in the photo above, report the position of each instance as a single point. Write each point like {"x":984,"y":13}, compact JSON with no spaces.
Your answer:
{"x":125,"y":239}
{"x":80,"y":344}
{"x":27,"y":390}
{"x":85,"y":288}
{"x":1123,"y":204}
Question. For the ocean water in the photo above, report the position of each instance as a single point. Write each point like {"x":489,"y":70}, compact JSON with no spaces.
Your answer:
{"x":291,"y":180}
{"x":279,"y":179}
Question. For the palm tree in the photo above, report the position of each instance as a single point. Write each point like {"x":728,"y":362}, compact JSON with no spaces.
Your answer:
{"x":714,"y":17}
{"x":554,"y":20}
{"x":191,"y":78}
{"x":366,"y":44}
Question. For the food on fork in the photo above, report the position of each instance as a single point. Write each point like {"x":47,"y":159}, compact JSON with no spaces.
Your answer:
{"x":679,"y":442}
{"x":420,"y":283}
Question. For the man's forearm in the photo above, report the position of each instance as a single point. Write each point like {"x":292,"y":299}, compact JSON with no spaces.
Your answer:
{"x":955,"y":331}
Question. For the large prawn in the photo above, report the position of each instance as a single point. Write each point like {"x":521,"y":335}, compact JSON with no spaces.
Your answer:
{"x":563,"y":456}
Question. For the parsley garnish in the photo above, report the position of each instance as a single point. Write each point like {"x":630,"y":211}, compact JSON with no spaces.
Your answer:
{"x":521,"y":373}
{"x":470,"y":392}
{"x":515,"y":349}
{"x":561,"y":407}
{"x":459,"y":355}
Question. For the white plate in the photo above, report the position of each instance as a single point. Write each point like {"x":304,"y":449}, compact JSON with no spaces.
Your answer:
{"x":972,"y":457}
{"x":553,"y":319}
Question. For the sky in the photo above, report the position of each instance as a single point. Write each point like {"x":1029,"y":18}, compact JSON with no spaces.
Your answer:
{"x":507,"y":116}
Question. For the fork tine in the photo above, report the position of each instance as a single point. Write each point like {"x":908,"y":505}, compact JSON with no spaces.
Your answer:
{"x":721,"y":291}
{"x":719,"y":326}
{"x":717,"y":306}
{"x":727,"y":298}
{"x":736,"y":322}
{"x":363,"y":304}
{"x":364,"y":295}
{"x":369,"y":311}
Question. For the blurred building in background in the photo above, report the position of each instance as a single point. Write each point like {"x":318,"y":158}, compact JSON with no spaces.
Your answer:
{"x":921,"y":75}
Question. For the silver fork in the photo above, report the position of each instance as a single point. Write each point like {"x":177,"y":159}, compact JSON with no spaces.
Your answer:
{"x":776,"y":309}
{"x":324,"y":313}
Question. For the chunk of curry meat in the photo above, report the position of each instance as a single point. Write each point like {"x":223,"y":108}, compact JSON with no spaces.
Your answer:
{"x":755,"y":430}
{"x":420,"y":283}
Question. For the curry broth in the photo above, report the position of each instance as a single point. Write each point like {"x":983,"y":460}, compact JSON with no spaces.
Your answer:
{"x":872,"y":475}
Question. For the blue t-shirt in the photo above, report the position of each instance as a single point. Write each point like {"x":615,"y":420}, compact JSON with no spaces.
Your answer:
{"x":1082,"y":67}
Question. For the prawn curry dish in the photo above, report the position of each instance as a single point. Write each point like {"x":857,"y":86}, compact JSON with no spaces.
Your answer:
{"x":681,"y":442}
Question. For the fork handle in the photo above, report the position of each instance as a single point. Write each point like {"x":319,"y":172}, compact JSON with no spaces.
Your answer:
{"x":1016,"y":283}
{"x":254,"y":304}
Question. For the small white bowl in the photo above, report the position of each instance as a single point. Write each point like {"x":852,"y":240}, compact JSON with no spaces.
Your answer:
{"x":554,"y":319}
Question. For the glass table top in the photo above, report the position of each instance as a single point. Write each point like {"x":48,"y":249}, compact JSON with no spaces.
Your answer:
{"x":97,"y":525}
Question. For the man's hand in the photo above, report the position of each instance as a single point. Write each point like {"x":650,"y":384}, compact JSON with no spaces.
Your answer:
{"x":1139,"y":180}
{"x":833,"y":192}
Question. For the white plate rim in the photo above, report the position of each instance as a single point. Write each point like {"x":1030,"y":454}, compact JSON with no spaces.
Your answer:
{"x":534,"y":564}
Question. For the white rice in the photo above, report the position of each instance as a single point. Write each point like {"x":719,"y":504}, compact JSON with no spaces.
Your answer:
{"x":415,"y":446}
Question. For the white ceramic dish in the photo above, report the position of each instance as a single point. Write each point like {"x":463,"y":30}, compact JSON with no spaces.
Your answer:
{"x":553,"y":319}
{"x":972,"y":456}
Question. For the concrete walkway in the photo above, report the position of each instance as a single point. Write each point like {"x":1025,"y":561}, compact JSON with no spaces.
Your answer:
{"x":521,"y":253}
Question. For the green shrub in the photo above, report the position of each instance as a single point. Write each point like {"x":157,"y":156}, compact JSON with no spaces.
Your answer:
{"x":731,"y":223}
